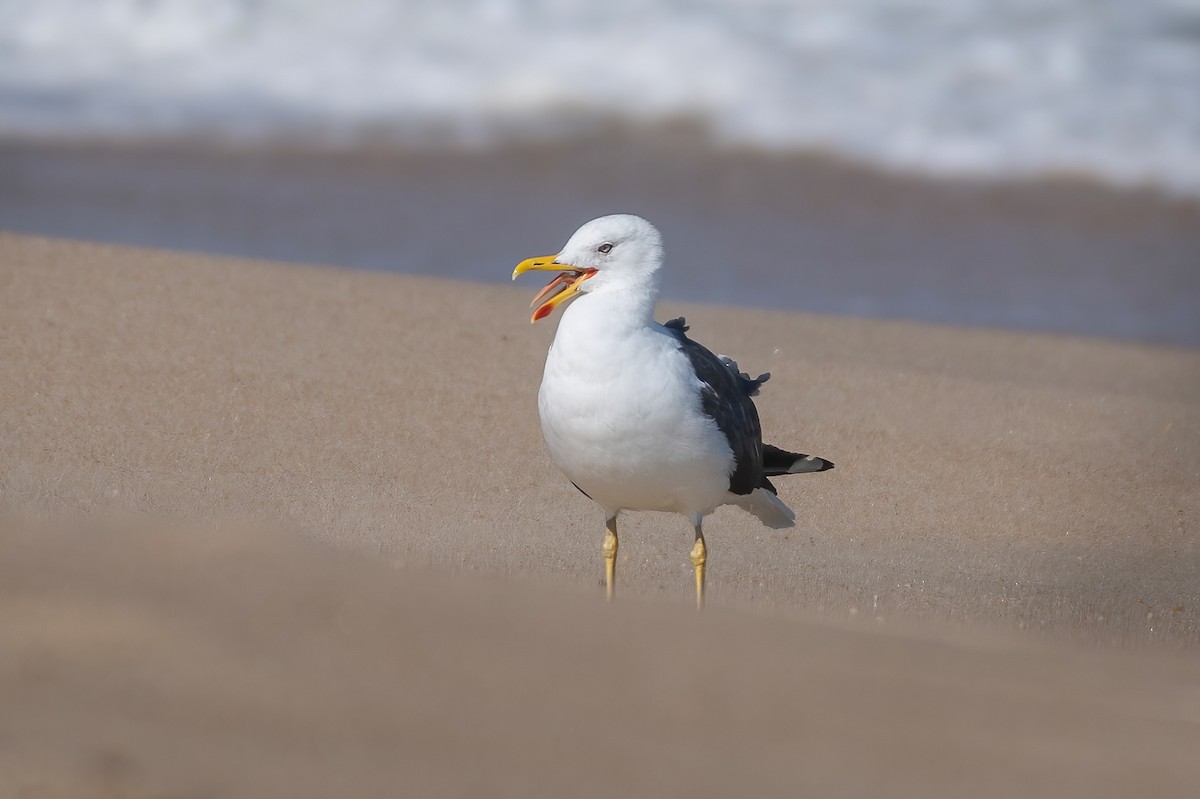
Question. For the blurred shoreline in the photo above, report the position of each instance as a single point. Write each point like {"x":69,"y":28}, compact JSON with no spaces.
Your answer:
{"x":801,"y":232}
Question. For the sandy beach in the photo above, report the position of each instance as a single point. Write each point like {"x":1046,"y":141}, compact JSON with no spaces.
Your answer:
{"x":276,"y":514}
{"x":284,"y":530}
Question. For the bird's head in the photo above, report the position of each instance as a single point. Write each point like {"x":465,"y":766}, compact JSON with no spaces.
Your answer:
{"x":618,"y":251}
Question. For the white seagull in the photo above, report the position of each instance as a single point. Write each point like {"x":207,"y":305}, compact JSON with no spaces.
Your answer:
{"x":638,"y":415}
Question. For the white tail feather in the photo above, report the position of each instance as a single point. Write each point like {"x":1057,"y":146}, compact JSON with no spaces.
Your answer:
{"x":769,"y":508}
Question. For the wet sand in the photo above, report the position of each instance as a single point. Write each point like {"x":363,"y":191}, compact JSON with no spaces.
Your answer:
{"x":788,"y":232}
{"x":996,"y":592}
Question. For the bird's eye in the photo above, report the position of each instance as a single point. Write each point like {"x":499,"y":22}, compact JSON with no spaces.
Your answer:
{"x":605,"y":248}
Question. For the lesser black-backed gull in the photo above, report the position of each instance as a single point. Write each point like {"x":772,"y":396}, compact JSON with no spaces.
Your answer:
{"x":638,"y":415}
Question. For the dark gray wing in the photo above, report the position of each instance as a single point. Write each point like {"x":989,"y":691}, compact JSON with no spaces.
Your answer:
{"x":725,"y":396}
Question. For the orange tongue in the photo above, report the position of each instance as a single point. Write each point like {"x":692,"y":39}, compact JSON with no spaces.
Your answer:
{"x":562,"y":277}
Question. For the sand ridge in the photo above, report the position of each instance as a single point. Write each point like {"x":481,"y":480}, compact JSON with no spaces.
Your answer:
{"x":234,"y":662}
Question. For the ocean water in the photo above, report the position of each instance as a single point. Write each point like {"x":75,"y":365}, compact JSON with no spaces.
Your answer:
{"x":992,"y":88}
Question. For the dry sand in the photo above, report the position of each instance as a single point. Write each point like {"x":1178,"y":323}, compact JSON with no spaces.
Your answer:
{"x":997,"y":592}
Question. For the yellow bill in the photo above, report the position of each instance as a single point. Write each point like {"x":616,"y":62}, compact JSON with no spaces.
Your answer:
{"x":563,"y":287}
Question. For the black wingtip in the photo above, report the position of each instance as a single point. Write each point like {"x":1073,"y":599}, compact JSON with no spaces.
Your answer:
{"x":778,"y":461}
{"x":810,"y":463}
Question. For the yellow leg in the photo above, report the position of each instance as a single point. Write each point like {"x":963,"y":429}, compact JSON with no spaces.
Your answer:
{"x":699,"y":557}
{"x":609,"y":548}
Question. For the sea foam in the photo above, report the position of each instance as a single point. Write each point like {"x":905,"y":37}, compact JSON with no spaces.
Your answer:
{"x":1108,"y":88}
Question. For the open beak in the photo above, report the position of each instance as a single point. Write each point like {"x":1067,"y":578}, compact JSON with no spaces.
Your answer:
{"x":563,"y":287}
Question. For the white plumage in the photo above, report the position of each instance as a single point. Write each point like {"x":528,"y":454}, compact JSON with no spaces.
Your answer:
{"x":637,"y":415}
{"x":620,"y":408}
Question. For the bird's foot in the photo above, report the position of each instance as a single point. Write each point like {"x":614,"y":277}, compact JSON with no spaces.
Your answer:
{"x":609,"y":548}
{"x":699,"y":558}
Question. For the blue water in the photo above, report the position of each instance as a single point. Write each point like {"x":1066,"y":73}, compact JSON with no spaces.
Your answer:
{"x":763,"y":233}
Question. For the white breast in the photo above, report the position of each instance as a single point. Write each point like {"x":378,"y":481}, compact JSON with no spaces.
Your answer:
{"x":621,"y":414}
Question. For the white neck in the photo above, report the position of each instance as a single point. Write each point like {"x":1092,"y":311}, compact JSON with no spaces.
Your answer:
{"x":622,"y":303}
